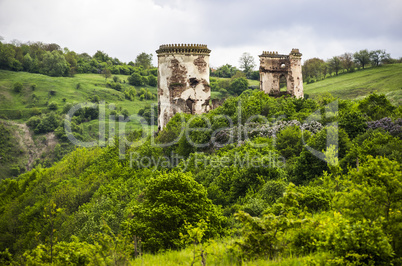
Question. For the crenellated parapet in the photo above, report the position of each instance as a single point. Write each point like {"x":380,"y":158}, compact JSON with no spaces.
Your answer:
{"x":199,"y":49}
{"x":273,"y":54}
{"x":183,"y":80}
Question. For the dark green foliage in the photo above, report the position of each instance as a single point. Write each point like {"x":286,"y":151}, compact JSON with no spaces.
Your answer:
{"x":289,"y":142}
{"x":360,"y":243}
{"x":273,"y":190}
{"x":375,"y":143}
{"x":149,"y":117}
{"x":156,"y":193}
{"x":52,"y":106}
{"x":315,"y":199}
{"x":374,"y":193}
{"x":152,"y":81}
{"x":17,"y":87}
{"x":144,"y":60}
{"x":166,"y":204}
{"x":135,"y":79}
{"x":376,"y":106}
{"x":48,"y":123}
{"x":353,"y":122}
{"x":33,"y":122}
{"x":238,"y":85}
{"x":54,"y":64}
{"x":308,"y":166}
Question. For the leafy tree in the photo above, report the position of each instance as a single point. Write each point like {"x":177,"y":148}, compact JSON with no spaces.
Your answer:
{"x":28,"y":63}
{"x":289,"y":142}
{"x":17,"y":87}
{"x":362,"y":57}
{"x":101,"y":56}
{"x":347,"y":61}
{"x":54,"y":64}
{"x":353,"y":122}
{"x":308,"y":166}
{"x":106,"y":73}
{"x":378,"y":56}
{"x":225,"y":71}
{"x":144,"y":60}
{"x":47,"y":124}
{"x":152,"y":81}
{"x":335,"y":64}
{"x":238,"y":85}
{"x":146,"y":114}
{"x":374,"y":143}
{"x":7,"y":54}
{"x":374,"y":193}
{"x":169,"y":202}
{"x":135,"y":79}
{"x":376,"y":106}
{"x":116,"y":79}
{"x":314,"y":68}
{"x":52,"y":106}
{"x":247,"y":63}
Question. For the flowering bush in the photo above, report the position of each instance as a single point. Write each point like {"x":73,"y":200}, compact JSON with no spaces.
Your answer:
{"x":386,"y":123}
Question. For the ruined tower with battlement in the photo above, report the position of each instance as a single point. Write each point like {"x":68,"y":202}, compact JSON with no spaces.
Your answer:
{"x":273,"y":66}
{"x":183,"y":80}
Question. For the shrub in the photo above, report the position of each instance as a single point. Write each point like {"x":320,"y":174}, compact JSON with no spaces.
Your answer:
{"x":52,"y":106}
{"x":273,"y":190}
{"x":359,"y":243}
{"x":33,"y":122}
{"x":152,"y":81}
{"x":169,"y":202}
{"x":33,"y":86}
{"x":376,"y":106}
{"x":135,"y":79}
{"x":17,"y":87}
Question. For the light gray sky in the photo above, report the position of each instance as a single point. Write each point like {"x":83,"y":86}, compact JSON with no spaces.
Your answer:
{"x":125,"y":28}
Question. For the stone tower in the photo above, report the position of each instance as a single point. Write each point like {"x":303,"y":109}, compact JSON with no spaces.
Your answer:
{"x":183,"y":80}
{"x":273,"y":66}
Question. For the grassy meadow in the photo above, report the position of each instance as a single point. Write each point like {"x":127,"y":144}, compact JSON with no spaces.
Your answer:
{"x":63,"y":90}
{"x":386,"y":79}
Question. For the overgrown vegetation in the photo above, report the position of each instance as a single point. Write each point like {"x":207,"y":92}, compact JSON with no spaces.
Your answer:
{"x":256,"y":186}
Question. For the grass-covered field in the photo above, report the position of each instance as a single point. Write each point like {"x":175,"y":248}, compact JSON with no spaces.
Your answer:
{"x":62,"y":90}
{"x":386,"y":79}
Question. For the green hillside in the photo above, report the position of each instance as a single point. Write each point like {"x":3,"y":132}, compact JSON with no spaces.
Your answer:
{"x":61,"y":90}
{"x":386,"y":79}
{"x":257,"y":198}
{"x":227,"y":192}
{"x":41,"y":95}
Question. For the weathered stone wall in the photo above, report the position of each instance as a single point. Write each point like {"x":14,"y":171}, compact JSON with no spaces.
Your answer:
{"x":274,"y":65}
{"x":183,"y":81}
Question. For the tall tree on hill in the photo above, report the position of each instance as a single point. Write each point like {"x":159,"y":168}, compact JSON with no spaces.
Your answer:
{"x":247,"y":64}
{"x":362,"y":57}
{"x":335,"y":64}
{"x":347,"y":61}
{"x":314,"y":68}
{"x":54,"y":64}
{"x":144,"y":60}
{"x":378,"y":56}
{"x":106,"y":73}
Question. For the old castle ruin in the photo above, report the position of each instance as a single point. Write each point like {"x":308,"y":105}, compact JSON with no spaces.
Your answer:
{"x":274,"y":67}
{"x":183,"y":78}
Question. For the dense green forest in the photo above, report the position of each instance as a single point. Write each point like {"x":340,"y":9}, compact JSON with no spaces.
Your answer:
{"x":242,"y":182}
{"x":256,"y":181}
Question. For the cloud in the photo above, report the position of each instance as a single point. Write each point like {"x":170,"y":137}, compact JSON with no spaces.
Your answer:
{"x":125,"y":28}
